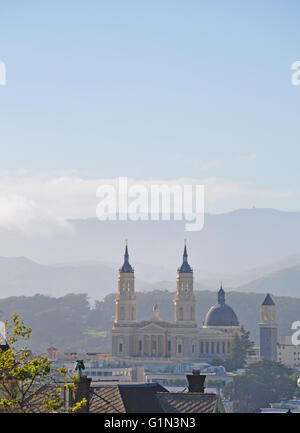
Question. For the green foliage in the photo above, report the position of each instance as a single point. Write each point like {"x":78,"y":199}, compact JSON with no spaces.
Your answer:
{"x":23,"y":376}
{"x":176,"y":382}
{"x":79,"y":405}
{"x":218,"y":360}
{"x":92,"y":332}
{"x":248,"y":344}
{"x":239,"y":349}
{"x":215,"y":383}
{"x":262,"y":383}
{"x":237,"y":354}
{"x":69,"y":318}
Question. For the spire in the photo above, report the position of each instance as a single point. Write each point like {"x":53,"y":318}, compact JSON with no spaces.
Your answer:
{"x":221,"y":295}
{"x":185,"y":267}
{"x":126,"y":268}
{"x":268,"y":300}
{"x":126,"y":255}
{"x":185,"y":255}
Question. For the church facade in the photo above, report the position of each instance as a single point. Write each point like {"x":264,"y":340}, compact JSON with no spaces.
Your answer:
{"x":182,"y":340}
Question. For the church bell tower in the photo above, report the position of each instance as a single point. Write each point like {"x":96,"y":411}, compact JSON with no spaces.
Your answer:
{"x":184,"y":301}
{"x":268,"y":330}
{"x":126,"y":298}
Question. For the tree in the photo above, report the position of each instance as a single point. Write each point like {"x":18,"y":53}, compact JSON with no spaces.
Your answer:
{"x":23,"y":377}
{"x":218,"y":360}
{"x":248,"y":344}
{"x":241,"y":346}
{"x":262,"y":383}
{"x":237,"y":354}
{"x":216,"y":383}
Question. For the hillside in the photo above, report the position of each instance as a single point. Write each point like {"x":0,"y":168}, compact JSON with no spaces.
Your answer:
{"x":23,"y":277}
{"x":229,"y":244}
{"x":283,"y":282}
{"x":20,"y":276}
{"x":70,"y":324}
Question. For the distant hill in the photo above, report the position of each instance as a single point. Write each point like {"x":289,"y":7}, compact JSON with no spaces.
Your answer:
{"x":20,"y":276}
{"x":229,"y":244}
{"x":23,"y":277}
{"x":71,"y":324}
{"x":243,"y":278}
{"x":283,"y":282}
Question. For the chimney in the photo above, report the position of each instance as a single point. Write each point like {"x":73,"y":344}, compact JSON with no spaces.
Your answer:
{"x":83,"y":391}
{"x":196,"y":381}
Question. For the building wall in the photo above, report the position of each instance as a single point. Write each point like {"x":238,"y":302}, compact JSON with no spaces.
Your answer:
{"x":288,"y":353}
{"x":170,"y":342}
{"x":268,"y":342}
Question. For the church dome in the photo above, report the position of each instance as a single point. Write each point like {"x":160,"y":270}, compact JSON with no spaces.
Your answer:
{"x":221,"y":314}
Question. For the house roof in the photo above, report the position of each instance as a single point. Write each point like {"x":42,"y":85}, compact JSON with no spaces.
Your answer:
{"x":134,"y":398}
{"x":106,"y":399}
{"x":137,"y":398}
{"x":149,"y":398}
{"x":189,"y":402}
{"x":34,"y":403}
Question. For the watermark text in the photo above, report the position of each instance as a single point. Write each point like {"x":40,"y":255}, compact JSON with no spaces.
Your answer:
{"x":2,"y":74}
{"x":143,"y":201}
{"x":295,"y":79}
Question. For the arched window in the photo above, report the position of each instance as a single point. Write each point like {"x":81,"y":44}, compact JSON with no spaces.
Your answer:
{"x":169,"y":346}
{"x":120,"y":347}
{"x":180,"y":313}
{"x":179,"y":348}
{"x":140,"y":345}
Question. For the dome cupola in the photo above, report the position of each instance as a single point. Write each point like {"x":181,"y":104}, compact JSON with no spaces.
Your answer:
{"x":221,"y":314}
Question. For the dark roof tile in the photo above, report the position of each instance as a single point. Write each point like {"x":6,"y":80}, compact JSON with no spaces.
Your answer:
{"x":189,"y":402}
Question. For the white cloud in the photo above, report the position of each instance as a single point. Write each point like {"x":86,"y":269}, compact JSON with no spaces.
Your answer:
{"x":26,"y":215}
{"x":41,"y":204}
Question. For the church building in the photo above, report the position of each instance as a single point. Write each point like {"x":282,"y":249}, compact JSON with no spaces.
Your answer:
{"x":181,"y":340}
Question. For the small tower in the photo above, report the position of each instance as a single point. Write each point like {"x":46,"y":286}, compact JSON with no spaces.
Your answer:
{"x":184,"y":301}
{"x":268,"y":330}
{"x":126,"y":298}
{"x":221,"y":295}
{"x":156,"y":315}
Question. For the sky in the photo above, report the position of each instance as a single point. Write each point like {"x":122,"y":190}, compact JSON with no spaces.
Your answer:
{"x":164,"y":90}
